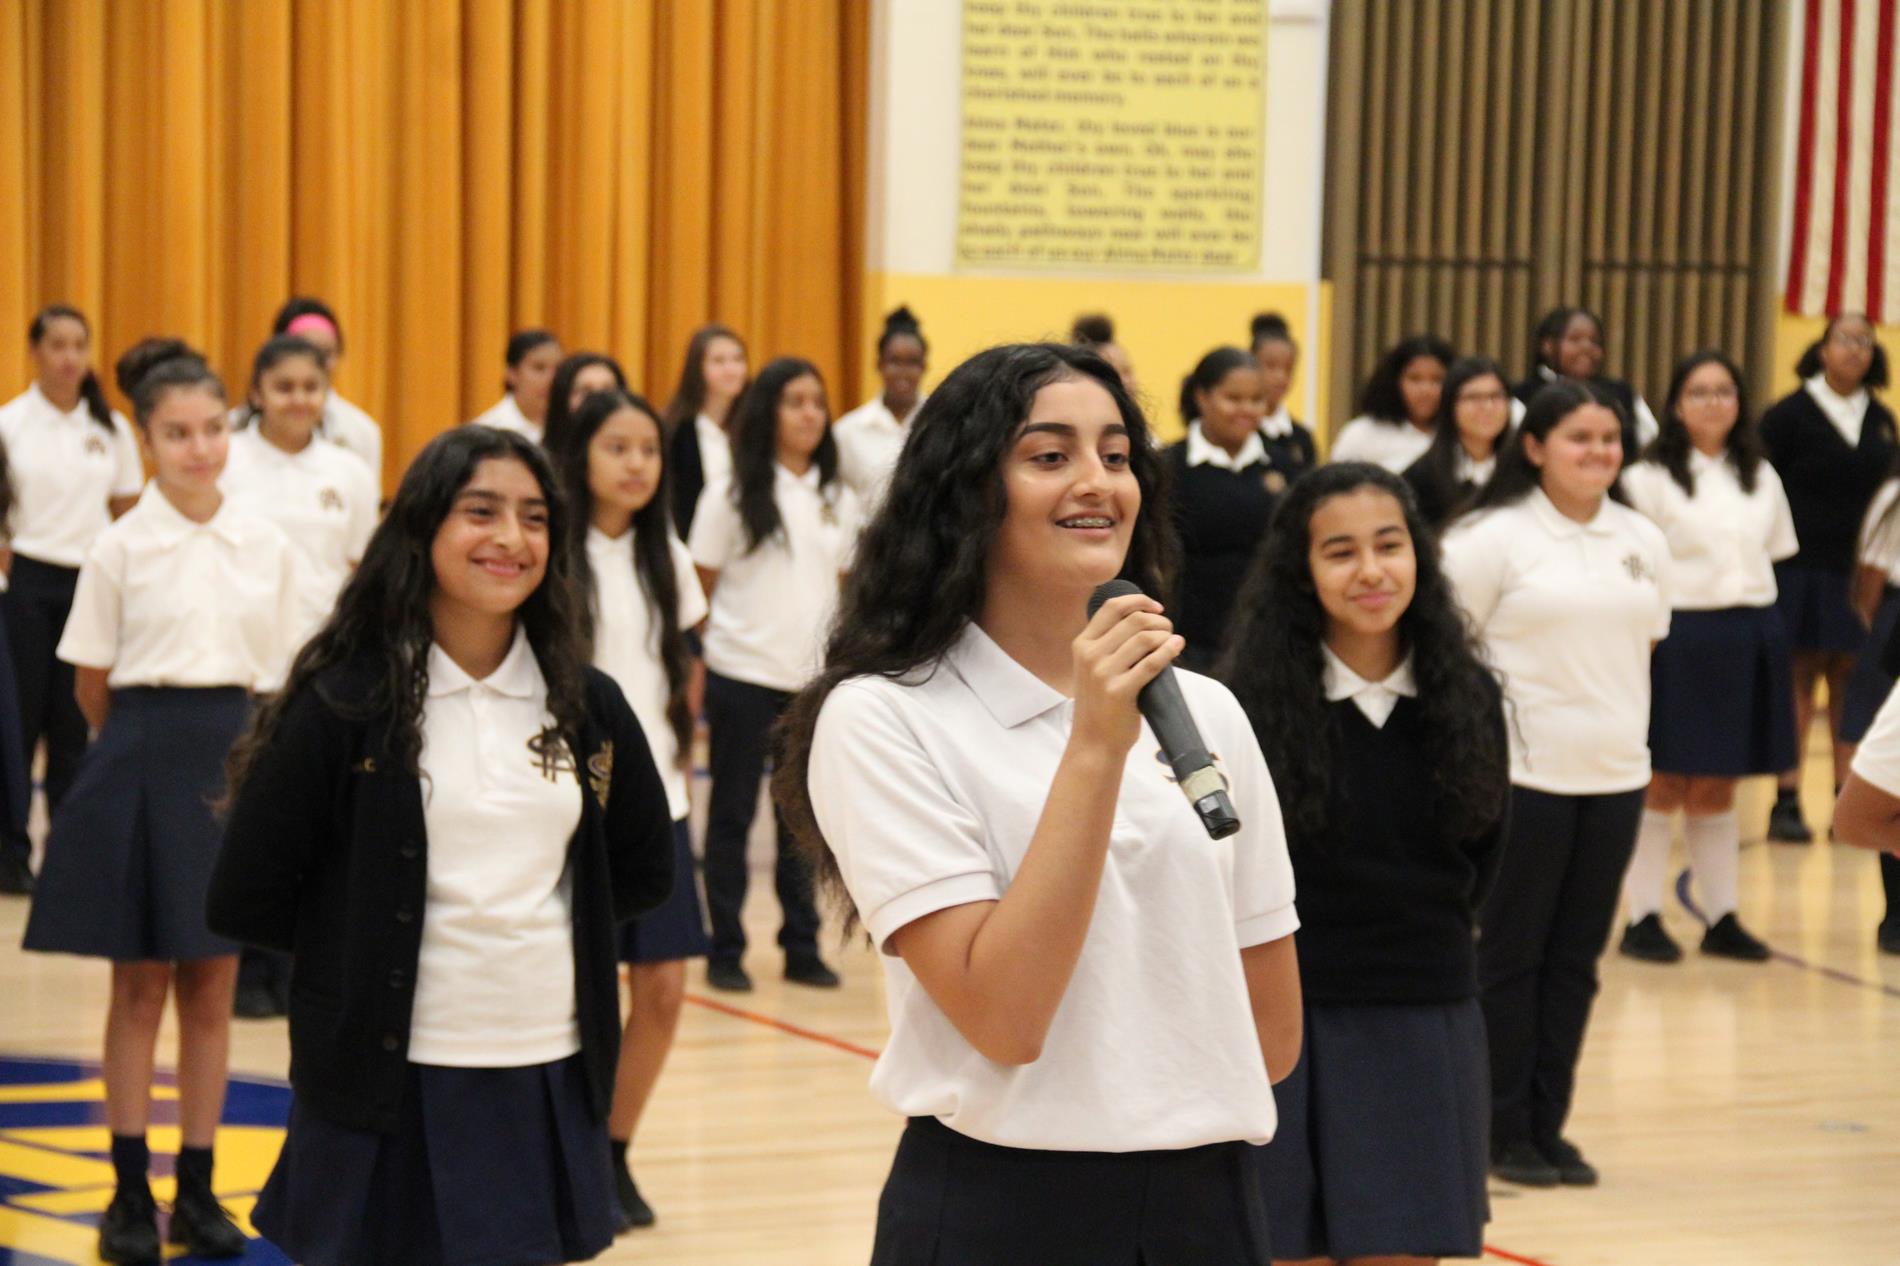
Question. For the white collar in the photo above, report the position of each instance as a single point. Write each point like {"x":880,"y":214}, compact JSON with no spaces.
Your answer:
{"x":1559,"y":524}
{"x":880,"y":414}
{"x":518,"y":676}
{"x":169,"y":527}
{"x":1202,"y":451}
{"x":75,"y":414}
{"x":1476,"y":472}
{"x":1845,"y":412}
{"x":1008,"y":691}
{"x":598,"y":542}
{"x":810,"y":479}
{"x":1279,"y":424}
{"x":1376,"y":699}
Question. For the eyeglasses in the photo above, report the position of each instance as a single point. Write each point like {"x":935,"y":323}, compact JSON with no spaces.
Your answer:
{"x":1710,"y":395}
{"x":1852,"y":342}
{"x":1482,"y":397}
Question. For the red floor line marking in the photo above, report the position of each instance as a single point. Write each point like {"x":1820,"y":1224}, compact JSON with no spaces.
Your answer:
{"x":783,"y":1026}
{"x":850,"y":1048}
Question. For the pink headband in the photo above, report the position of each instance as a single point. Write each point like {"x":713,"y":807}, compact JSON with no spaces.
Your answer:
{"x":312,"y":321}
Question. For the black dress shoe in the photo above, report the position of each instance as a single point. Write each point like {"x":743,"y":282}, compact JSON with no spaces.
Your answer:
{"x":1888,"y":937}
{"x":204,"y":1226}
{"x":129,"y":1230}
{"x":1784,"y":821}
{"x":635,"y":1212}
{"x":1572,"y":1169}
{"x":728,"y":976}
{"x":1645,"y":939}
{"x":1727,"y":938}
{"x":811,"y":971}
{"x":16,"y":877}
{"x":1522,"y":1163}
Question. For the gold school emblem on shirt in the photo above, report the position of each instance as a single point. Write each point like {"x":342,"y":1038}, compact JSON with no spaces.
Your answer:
{"x":1275,"y":482}
{"x":1639,"y":569}
{"x":329,"y":499}
{"x":828,"y":514}
{"x":552,"y":755}
{"x":95,"y":447}
{"x":600,"y":772}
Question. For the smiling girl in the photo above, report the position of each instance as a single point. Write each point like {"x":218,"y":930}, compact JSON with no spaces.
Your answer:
{"x":442,"y":816}
{"x":1398,"y":408}
{"x":1568,"y":590}
{"x":1353,"y":662}
{"x":1088,"y":996}
{"x":181,"y":613}
{"x":1474,"y":418}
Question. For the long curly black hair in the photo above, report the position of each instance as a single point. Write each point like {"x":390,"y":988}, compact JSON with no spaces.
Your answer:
{"x":652,"y":554}
{"x":922,"y":566}
{"x":1275,"y":665}
{"x":382,"y":616}
{"x":1671,"y":447}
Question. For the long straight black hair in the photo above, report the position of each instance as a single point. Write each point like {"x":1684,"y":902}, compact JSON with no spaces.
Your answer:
{"x":922,"y":566}
{"x":89,"y":389}
{"x":1672,"y":446}
{"x":1441,"y":459}
{"x":652,"y":553}
{"x":755,"y":448}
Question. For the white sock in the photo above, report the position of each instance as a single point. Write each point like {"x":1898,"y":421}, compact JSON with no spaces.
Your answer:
{"x":1714,"y":842}
{"x":1649,"y":868}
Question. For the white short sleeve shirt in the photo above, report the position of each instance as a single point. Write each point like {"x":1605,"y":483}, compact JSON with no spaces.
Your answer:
{"x":715,"y":450}
{"x":928,"y":792}
{"x":1877,"y":759}
{"x":165,"y":601}
{"x":506,"y":415}
{"x":773,"y":605}
{"x":1393,"y":445}
{"x":495,"y":978}
{"x":1880,"y":533}
{"x":870,"y":438}
{"x":348,"y":427}
{"x":1724,"y":542}
{"x":324,"y":499}
{"x":1569,"y":612}
{"x":627,"y":645}
{"x":65,"y":467}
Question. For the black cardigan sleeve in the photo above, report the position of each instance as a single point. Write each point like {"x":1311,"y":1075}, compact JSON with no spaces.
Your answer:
{"x":1486,"y":851}
{"x":279,"y":821}
{"x":638,"y":820}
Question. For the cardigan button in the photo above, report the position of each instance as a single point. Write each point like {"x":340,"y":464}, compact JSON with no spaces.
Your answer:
{"x":391,"y":1042}
{"x":405,"y":915}
{"x":396,"y":979}
{"x":409,"y":852}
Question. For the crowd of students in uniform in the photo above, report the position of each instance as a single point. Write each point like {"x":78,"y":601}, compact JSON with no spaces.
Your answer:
{"x":1461,"y":679}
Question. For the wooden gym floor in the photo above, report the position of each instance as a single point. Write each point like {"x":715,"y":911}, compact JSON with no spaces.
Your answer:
{"x":1739,"y":1113}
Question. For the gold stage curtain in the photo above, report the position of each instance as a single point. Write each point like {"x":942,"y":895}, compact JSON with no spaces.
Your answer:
{"x":441,"y":172}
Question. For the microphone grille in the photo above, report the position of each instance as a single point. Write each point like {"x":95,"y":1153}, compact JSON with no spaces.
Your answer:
{"x":1112,"y":589}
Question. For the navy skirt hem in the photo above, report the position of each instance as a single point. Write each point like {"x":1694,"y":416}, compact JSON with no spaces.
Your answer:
{"x":1817,"y":609}
{"x":1869,"y":685}
{"x":676,"y":928}
{"x":1722,"y":695}
{"x":130,"y":853}
{"x":486,"y":1167}
{"x":1383,"y":1143}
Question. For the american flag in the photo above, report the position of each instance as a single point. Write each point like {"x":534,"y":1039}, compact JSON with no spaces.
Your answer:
{"x":1844,"y":235}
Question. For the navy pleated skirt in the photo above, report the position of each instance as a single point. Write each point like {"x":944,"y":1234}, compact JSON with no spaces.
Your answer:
{"x":675,"y":929}
{"x":15,"y":776}
{"x":129,"y":856}
{"x":1385,"y":1127}
{"x":1722,"y":695}
{"x":1817,"y":609}
{"x":1869,"y":685}
{"x":954,"y":1201}
{"x":486,"y":1167}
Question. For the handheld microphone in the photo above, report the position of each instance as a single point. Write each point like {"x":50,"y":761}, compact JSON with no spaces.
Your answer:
{"x":1165,"y":709}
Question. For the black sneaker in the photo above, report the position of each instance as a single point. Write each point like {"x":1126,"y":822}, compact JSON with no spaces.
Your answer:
{"x":254,"y":1002}
{"x":1784,"y":821}
{"x":1888,"y":937}
{"x":1645,"y":939}
{"x":129,"y":1230}
{"x":1572,"y":1169}
{"x":1523,"y":1164}
{"x":728,"y":976}
{"x":811,"y":971}
{"x":1727,"y":938}
{"x":16,"y":876}
{"x":635,"y":1212}
{"x":204,"y":1226}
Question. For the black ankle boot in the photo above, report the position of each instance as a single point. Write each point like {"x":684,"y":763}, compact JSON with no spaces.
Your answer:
{"x":128,"y":1232}
{"x":203,"y":1225}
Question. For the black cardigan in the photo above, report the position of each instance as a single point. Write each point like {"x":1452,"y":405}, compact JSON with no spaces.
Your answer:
{"x":1222,"y":516}
{"x":686,"y":471}
{"x":1388,"y":900}
{"x":1829,"y":485}
{"x":326,"y":855}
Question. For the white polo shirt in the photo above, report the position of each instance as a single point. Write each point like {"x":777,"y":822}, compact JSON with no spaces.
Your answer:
{"x":1877,"y":759}
{"x":715,"y":450}
{"x":929,"y":792}
{"x":1393,"y":445}
{"x":506,"y":415}
{"x":350,"y":428}
{"x":1569,"y":612}
{"x":1880,"y":535}
{"x":495,"y":979}
{"x":164,"y":601}
{"x":627,"y":645}
{"x":773,"y":605}
{"x":870,"y":437}
{"x":1723,"y":541}
{"x":323,"y":498}
{"x":65,"y":467}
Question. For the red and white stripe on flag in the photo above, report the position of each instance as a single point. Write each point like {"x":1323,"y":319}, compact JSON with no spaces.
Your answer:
{"x":1844,"y":243}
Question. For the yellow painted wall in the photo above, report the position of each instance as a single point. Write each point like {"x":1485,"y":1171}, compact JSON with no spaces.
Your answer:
{"x":1166,"y":325}
{"x":1794,"y":333}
